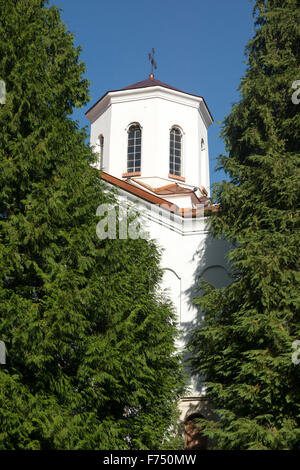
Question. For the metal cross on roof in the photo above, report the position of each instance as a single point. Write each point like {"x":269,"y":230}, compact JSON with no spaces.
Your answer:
{"x":152,"y":61}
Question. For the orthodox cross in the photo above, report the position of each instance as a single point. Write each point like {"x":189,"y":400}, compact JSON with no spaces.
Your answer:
{"x":152,"y":61}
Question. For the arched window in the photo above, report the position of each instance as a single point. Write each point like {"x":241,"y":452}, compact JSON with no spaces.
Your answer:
{"x":134,"y":149}
{"x":101,"y":147}
{"x":175,"y":166}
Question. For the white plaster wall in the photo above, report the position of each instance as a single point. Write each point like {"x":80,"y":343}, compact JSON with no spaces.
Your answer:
{"x":102,"y":125}
{"x":194,"y":405}
{"x":203,"y":156}
{"x":188,"y":250}
{"x":189,"y":253}
{"x":156,"y":110}
{"x":191,"y":257}
{"x":145,"y":113}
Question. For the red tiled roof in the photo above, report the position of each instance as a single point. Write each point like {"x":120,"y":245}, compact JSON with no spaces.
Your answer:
{"x":153,"y":199}
{"x":137,"y":191}
{"x":173,"y":189}
{"x":168,"y":189}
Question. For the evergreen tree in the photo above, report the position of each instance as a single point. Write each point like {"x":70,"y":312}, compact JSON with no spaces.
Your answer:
{"x":245,"y":346}
{"x":91,"y":362}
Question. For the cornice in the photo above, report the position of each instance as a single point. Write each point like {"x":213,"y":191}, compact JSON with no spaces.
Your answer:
{"x":155,"y":92}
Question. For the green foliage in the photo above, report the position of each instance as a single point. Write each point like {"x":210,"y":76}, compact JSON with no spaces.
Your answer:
{"x":91,"y":361}
{"x":245,"y":347}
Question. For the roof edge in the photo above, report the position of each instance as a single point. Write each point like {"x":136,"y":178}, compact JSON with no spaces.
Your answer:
{"x":162,"y":85}
{"x":154,"y":199}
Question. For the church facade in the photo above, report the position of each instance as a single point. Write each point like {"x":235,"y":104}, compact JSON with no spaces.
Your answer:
{"x":153,"y":148}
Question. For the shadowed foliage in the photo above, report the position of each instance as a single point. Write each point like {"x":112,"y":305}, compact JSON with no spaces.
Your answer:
{"x":91,"y":362}
{"x":245,"y":347}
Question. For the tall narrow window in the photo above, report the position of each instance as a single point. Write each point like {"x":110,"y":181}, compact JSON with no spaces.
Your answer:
{"x":134,"y":149}
{"x":175,"y":167}
{"x":101,"y":147}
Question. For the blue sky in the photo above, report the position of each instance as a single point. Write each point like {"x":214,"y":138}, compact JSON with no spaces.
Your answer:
{"x":199,"y":49}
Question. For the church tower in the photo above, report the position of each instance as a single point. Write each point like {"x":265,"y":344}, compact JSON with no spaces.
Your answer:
{"x":151,"y":139}
{"x":152,"y":129}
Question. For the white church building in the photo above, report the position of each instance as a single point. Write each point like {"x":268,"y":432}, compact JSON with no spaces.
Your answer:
{"x":153,"y":148}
